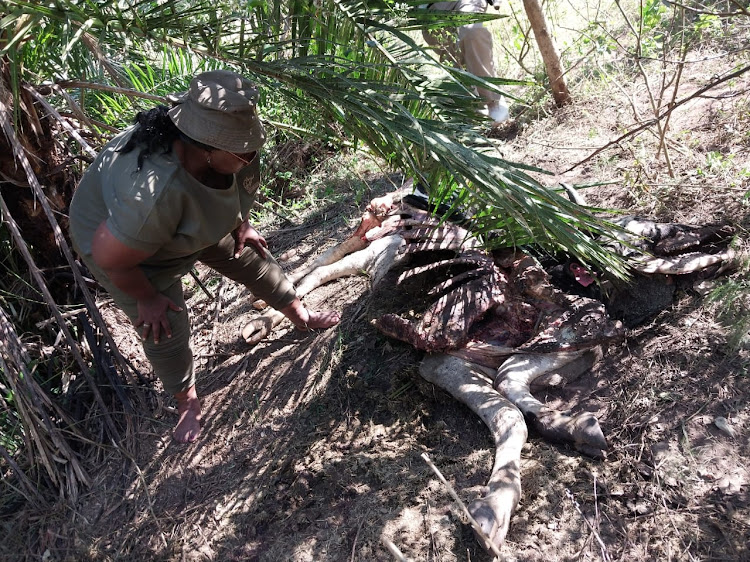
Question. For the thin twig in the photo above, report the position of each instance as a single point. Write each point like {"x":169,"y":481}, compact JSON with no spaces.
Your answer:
{"x":666,"y":112}
{"x":68,"y":314}
{"x":79,"y":113}
{"x":217,"y":313}
{"x":474,"y":525}
{"x":306,"y":226}
{"x":393,"y":549}
{"x":75,"y":84}
{"x":31,"y":492}
{"x":102,"y":365}
{"x":356,"y":536}
{"x":741,"y":10}
{"x":93,"y":45}
{"x":143,"y":482}
{"x":64,"y":122}
{"x":42,"y":285}
{"x":31,"y":401}
{"x":605,"y":554}
{"x":205,"y":290}
{"x":62,"y":244}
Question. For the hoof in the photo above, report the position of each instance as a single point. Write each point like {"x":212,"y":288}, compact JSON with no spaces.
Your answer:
{"x":588,"y":436}
{"x":255,"y":330}
{"x":493,"y":525}
{"x":583,"y":431}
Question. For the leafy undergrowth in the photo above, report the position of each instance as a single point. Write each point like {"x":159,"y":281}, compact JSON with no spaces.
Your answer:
{"x":312,"y":441}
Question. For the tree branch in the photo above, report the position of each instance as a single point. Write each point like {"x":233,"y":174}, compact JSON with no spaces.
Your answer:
{"x":658,"y":118}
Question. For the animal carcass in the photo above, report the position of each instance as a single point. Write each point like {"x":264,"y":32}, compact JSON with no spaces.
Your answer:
{"x":491,"y":325}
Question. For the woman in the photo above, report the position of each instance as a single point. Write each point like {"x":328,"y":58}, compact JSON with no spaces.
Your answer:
{"x":174,"y":189}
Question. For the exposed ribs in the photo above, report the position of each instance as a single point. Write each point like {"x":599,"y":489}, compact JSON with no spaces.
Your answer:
{"x":445,"y":325}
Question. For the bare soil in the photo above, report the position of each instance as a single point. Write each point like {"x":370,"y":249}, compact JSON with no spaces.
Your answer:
{"x":311,"y":444}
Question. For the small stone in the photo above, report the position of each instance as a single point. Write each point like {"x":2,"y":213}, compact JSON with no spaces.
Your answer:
{"x":730,"y":485}
{"x":723,"y":424}
{"x":641,"y":508}
{"x":704,"y":287}
{"x":706,"y":474}
{"x":645,"y":470}
{"x":660,"y":451}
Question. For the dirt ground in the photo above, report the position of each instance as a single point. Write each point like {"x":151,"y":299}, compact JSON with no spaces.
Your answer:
{"x":311,"y":444}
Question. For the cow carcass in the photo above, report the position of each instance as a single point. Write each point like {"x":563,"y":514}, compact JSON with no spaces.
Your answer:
{"x":492,"y":324}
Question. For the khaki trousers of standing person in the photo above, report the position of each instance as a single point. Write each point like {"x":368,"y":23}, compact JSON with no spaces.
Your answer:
{"x":172,"y":358}
{"x":473,"y":48}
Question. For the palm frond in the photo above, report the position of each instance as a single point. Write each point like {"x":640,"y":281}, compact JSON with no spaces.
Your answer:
{"x":358,"y":64}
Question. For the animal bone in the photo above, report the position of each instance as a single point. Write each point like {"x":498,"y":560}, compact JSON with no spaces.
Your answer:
{"x":519,"y":371}
{"x":445,"y":325}
{"x":375,"y":259}
{"x":469,"y":384}
{"x":465,"y":298}
{"x":669,"y":239}
{"x":682,"y":264}
{"x":500,"y":325}
{"x":334,"y":254}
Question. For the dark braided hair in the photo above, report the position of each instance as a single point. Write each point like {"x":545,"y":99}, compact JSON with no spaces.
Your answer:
{"x":155,"y":132}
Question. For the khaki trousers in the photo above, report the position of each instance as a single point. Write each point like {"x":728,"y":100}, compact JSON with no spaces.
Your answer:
{"x":172,"y":358}
{"x":472,"y":49}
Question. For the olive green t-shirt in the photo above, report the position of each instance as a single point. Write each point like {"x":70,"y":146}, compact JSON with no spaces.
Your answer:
{"x":160,"y":208}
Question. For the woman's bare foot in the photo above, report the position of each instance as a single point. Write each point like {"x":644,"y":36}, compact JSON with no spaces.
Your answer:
{"x":189,"y":407}
{"x":321,"y":319}
{"x":305,"y":319}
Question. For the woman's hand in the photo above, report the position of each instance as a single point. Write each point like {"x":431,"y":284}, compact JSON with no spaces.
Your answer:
{"x":152,"y":316}
{"x":122,"y":265}
{"x":247,"y":235}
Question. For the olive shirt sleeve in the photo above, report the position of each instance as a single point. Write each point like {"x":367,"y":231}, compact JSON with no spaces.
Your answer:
{"x":137,"y":207}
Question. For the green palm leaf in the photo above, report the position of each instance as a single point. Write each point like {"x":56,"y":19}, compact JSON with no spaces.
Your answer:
{"x":351,"y":62}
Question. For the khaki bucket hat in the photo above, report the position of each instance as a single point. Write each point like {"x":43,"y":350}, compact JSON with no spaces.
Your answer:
{"x":219,"y":110}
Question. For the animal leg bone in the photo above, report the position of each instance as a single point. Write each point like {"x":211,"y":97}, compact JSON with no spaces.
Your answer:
{"x":516,"y":374}
{"x":470,"y":384}
{"x":376,"y":259}
{"x":682,"y":264}
{"x":473,"y":260}
{"x":348,"y":246}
